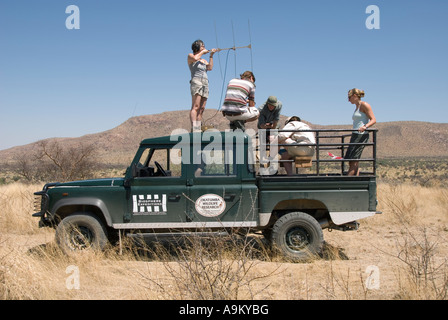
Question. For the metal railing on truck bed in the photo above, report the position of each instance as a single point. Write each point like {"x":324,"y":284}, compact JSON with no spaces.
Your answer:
{"x":322,"y":164}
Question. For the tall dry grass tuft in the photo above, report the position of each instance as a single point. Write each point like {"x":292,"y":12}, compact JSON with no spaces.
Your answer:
{"x":45,"y":273}
{"x":400,"y":203}
{"x":410,"y":206}
{"x":425,"y":273}
{"x":421,"y":215}
{"x":33,"y":267}
{"x":16,"y":208}
{"x":211,"y":267}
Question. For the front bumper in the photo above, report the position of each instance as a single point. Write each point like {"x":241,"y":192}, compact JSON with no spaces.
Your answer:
{"x":41,"y":205}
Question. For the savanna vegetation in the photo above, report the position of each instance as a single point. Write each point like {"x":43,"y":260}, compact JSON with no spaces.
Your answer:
{"x":400,"y":254}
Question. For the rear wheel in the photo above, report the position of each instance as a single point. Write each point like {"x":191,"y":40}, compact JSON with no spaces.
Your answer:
{"x":298,"y":236}
{"x":81,"y":231}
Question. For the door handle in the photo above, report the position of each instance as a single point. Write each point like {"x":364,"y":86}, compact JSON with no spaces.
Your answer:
{"x":174,"y":197}
{"x":229,"y":197}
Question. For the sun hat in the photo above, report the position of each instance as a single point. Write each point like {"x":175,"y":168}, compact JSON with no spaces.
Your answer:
{"x":293,"y":118}
{"x":273,"y":101}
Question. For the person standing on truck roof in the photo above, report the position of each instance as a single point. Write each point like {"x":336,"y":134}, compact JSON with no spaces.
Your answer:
{"x":240,"y":93}
{"x":363,"y":118}
{"x":269,"y":116}
{"x":297,"y":137}
{"x":199,"y":81}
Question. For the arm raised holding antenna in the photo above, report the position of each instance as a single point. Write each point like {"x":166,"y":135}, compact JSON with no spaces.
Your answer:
{"x":198,"y":56}
{"x":234,"y":48}
{"x":210,"y":64}
{"x":199,"y":50}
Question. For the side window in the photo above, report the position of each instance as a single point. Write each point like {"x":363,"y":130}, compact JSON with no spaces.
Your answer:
{"x":174,"y":166}
{"x":144,"y":158}
{"x":216,"y":163}
{"x":158,"y":163}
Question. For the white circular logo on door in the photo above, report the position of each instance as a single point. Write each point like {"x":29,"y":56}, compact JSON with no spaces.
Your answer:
{"x":210,"y":205}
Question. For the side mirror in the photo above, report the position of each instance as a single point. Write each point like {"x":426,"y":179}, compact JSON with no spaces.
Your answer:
{"x":127,"y":182}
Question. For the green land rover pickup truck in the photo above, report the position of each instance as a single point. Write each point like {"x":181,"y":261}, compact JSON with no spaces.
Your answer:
{"x":214,"y":181}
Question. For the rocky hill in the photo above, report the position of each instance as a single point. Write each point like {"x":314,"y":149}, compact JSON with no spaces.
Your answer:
{"x":118,"y":145}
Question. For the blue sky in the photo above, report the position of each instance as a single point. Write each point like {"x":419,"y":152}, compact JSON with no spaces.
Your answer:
{"x":129,"y":58}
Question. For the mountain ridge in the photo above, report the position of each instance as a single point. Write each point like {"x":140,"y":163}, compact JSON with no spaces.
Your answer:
{"x":396,"y":139}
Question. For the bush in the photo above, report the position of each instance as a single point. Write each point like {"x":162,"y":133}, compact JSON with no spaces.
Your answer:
{"x":55,"y":162}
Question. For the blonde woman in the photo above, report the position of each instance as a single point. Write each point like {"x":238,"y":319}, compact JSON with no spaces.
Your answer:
{"x":363,"y":118}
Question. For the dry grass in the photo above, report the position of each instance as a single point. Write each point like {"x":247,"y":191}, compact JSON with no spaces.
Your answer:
{"x":400,"y":254}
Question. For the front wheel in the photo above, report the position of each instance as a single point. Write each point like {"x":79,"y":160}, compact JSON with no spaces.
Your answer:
{"x":298,"y":236}
{"x":80,"y":232}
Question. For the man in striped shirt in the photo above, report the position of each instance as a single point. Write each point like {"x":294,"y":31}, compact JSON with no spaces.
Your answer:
{"x":240,"y":93}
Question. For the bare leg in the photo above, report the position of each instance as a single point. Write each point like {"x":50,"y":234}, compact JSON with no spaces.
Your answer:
{"x":287,"y":165}
{"x":201,"y":108}
{"x":197,"y":108}
{"x":353,"y":168}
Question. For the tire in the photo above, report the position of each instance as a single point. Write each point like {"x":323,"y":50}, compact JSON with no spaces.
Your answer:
{"x":81,"y":231}
{"x":298,"y":236}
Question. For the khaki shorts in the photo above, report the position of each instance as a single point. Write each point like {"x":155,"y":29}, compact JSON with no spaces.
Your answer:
{"x":301,"y":151}
{"x":199,"y":86}
{"x":251,"y":114}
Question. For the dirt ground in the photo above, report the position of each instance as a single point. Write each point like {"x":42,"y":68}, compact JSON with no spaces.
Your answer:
{"x":400,"y":254}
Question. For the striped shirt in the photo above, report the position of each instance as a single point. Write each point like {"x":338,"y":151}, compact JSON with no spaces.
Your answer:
{"x":238,"y":94}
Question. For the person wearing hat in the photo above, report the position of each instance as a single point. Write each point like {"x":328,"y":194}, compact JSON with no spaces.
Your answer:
{"x":296,"y":136}
{"x":269,"y":116}
{"x":269,"y":113}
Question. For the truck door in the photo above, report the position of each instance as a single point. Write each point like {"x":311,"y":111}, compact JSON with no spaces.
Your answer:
{"x":157,"y":193}
{"x":215,"y":190}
